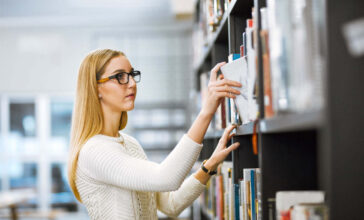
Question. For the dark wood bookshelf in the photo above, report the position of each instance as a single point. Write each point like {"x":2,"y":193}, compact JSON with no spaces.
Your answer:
{"x":314,"y":150}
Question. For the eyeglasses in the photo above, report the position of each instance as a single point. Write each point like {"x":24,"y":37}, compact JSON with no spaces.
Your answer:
{"x":123,"y":77}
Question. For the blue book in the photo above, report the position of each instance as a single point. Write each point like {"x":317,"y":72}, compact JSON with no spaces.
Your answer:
{"x":252,"y":187}
{"x":237,"y":201}
{"x":233,"y":56}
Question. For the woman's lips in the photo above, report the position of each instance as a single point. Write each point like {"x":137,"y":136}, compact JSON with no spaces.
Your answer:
{"x":130,"y":96}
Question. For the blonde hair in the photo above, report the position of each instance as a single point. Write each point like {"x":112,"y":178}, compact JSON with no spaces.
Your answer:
{"x":87,"y":117}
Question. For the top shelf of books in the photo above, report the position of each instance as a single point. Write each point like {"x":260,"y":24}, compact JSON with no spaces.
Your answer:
{"x":212,"y":28}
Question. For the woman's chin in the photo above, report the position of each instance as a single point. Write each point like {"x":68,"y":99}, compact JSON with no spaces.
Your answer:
{"x":128,"y":107}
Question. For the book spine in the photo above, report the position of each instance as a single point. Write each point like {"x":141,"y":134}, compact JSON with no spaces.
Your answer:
{"x":237,"y":199}
{"x":252,"y":188}
{"x":242,"y":200}
{"x":259,"y":193}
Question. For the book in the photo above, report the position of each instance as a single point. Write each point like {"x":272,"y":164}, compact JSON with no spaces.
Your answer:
{"x":259,"y":193}
{"x":242,"y":204}
{"x":251,"y":55}
{"x":317,"y":211}
{"x":236,"y":201}
{"x":219,"y":197}
{"x":237,"y":71}
{"x":225,"y":167}
{"x":268,"y":99}
{"x":285,"y":200}
{"x":253,"y":194}
{"x":231,"y":195}
{"x":247,"y":193}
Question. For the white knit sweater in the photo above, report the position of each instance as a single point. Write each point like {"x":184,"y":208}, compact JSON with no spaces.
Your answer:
{"x":116,"y":181}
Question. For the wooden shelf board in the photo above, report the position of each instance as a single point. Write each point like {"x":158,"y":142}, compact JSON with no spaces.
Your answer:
{"x":246,"y":129}
{"x":311,"y":120}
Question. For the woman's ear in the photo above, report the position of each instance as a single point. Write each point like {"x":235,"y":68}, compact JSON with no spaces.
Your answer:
{"x":99,"y":91}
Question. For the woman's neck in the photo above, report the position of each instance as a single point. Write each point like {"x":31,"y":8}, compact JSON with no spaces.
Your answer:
{"x":111,"y":123}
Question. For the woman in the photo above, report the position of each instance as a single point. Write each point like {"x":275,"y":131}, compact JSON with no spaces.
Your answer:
{"x":108,"y":170}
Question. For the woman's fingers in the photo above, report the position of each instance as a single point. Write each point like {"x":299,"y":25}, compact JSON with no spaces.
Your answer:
{"x":231,"y":135}
{"x":227,"y":82}
{"x":214,"y":71}
{"x":225,"y":94}
{"x":227,"y":89}
{"x":229,"y":129}
{"x":226,"y":135}
{"x":232,"y":147}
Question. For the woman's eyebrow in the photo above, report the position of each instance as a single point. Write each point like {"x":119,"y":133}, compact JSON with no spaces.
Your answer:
{"x":122,"y":70}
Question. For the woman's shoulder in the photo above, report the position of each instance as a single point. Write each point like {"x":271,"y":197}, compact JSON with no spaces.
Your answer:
{"x":96,"y":141}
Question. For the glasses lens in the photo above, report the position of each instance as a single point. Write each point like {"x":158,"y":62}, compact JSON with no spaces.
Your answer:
{"x":136,"y":76}
{"x":122,"y":78}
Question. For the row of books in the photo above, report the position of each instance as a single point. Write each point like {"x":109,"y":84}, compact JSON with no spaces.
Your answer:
{"x":224,"y":199}
{"x":293,"y":56}
{"x":209,"y":15}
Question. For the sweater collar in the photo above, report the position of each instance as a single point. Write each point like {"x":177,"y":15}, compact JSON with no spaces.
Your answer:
{"x":119,"y":139}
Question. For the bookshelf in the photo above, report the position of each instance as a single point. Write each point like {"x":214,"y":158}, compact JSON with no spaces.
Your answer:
{"x":320,"y":149}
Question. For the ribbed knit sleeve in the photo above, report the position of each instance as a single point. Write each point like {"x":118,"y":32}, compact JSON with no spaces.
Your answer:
{"x":173,"y":203}
{"x":107,"y":162}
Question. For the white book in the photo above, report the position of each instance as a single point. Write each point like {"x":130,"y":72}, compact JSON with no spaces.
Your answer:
{"x":252,"y":73}
{"x":231,"y":198}
{"x":224,"y":171}
{"x":238,"y":71}
{"x":242,"y":204}
{"x":286,"y":199}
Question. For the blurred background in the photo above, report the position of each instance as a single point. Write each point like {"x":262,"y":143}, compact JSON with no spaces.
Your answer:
{"x":42,"y":44}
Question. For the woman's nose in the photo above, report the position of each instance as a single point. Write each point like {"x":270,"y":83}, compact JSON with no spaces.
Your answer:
{"x":131,"y":82}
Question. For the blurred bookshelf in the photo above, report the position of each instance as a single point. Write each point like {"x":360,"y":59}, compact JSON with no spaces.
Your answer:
{"x":307,"y":139}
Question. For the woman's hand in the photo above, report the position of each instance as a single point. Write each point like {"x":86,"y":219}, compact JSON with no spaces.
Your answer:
{"x":217,"y":90}
{"x":221,"y":151}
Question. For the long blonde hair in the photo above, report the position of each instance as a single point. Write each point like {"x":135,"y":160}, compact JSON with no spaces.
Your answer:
{"x":87,"y":117}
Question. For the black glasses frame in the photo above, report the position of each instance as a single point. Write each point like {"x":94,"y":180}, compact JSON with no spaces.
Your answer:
{"x":118,"y":76}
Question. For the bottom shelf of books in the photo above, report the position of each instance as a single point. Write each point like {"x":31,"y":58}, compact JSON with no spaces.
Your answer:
{"x":224,"y":199}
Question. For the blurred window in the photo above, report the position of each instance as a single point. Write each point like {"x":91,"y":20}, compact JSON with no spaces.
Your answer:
{"x":61,"y":113}
{"x":2,"y":173}
{"x":22,"y":119}
{"x":61,"y":193}
{"x":23,"y":175}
